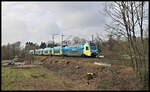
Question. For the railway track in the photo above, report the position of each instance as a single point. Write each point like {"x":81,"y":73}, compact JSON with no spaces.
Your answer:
{"x":87,"y":59}
{"x":73,"y":58}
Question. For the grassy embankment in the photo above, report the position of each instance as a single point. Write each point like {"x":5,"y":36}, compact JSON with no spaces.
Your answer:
{"x":33,"y":79}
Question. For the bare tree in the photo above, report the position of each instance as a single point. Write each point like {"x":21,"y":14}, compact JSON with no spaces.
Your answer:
{"x":83,"y":40}
{"x":9,"y":51}
{"x":76,"y":40}
{"x":128,"y":19}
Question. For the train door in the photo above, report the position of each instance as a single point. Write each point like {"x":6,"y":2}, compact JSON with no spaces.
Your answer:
{"x":61,"y":51}
{"x":52,"y":51}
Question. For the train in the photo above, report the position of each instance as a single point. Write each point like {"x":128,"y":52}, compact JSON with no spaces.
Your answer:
{"x":88,"y":49}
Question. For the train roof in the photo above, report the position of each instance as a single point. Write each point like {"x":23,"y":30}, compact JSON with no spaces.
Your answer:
{"x":38,"y":49}
{"x":57,"y":47}
{"x":76,"y":45}
{"x":31,"y":50}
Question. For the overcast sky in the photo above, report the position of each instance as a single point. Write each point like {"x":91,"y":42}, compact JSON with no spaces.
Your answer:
{"x":37,"y":21}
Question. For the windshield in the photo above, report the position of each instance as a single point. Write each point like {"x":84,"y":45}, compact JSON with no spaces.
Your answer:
{"x":93,"y":46}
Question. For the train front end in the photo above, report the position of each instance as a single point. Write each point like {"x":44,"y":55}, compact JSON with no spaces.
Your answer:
{"x":93,"y":49}
{"x":90,"y":49}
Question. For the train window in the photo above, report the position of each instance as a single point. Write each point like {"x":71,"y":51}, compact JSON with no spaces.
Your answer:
{"x":92,"y":46}
{"x":87,"y":48}
{"x":46,"y":51}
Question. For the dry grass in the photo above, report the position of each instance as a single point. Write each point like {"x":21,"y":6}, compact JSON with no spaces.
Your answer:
{"x":34,"y":79}
{"x":116,"y":77}
{"x":68,"y":73}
